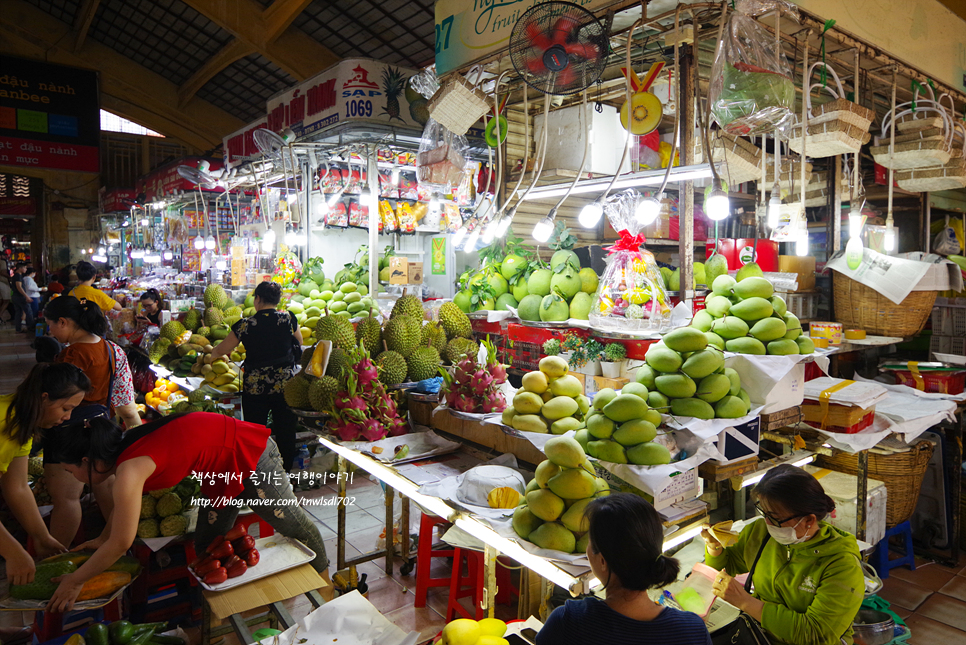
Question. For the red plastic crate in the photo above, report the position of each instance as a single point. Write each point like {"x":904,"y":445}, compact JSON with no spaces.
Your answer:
{"x":674,"y":298}
{"x":940,"y":382}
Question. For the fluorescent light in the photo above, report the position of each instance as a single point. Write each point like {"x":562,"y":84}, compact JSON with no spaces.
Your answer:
{"x":100,"y":250}
{"x":220,"y":265}
{"x":458,"y":236}
{"x":633,"y":180}
{"x":801,"y":245}
{"x":682,"y":536}
{"x":395,"y":175}
{"x":168,"y":255}
{"x":889,"y":242}
{"x":144,"y":222}
{"x":855,"y":223}
{"x":774,"y":208}
{"x":757,"y":477}
{"x":434,"y":203}
{"x":474,"y":236}
{"x":99,"y":258}
{"x":490,"y":231}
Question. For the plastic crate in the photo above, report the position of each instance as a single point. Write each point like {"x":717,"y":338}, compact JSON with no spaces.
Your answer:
{"x":940,"y":344}
{"x":949,"y":321}
{"x":957,"y":346}
{"x":804,"y":305}
{"x":940,"y":382}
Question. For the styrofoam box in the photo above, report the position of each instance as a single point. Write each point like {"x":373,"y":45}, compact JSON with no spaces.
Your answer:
{"x":565,"y":141}
{"x":788,"y":392}
{"x":683,"y":486}
{"x":842,"y":488}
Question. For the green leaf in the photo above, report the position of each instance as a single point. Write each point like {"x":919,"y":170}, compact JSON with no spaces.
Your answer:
{"x":475,"y":299}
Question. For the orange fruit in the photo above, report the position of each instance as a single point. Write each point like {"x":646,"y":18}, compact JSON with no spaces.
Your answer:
{"x":172,"y":387}
{"x":164,"y":395}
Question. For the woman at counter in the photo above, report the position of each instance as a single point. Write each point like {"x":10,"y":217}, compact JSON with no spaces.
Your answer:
{"x":150,"y":307}
{"x":808,"y":583}
{"x":162,"y":453}
{"x":85,"y":289}
{"x":42,"y":400}
{"x":625,"y":553}
{"x":271,"y":339}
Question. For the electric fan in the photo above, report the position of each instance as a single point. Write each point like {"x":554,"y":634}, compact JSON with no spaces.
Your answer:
{"x":558,"y":48}
{"x":198,"y":177}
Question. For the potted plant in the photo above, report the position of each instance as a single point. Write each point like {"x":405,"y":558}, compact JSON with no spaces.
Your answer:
{"x":585,"y":355}
{"x":613,"y":360}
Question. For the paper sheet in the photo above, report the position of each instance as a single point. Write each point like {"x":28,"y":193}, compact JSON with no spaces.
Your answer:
{"x":158,"y":543}
{"x":709,"y":429}
{"x":421,"y":445}
{"x":893,"y":277}
{"x":653,"y":479}
{"x":347,"y":620}
{"x":760,"y":374}
{"x":447,"y":489}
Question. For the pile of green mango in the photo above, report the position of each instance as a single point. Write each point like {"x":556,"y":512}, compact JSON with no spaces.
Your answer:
{"x":686,"y":376}
{"x":746,"y":317}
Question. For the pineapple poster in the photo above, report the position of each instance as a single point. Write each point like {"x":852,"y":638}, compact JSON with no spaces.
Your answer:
{"x":353,"y":90}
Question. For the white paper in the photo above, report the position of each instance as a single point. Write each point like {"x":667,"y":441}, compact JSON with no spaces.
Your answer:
{"x":893,"y":277}
{"x":447,"y":489}
{"x":922,"y":396}
{"x":863,"y":394}
{"x":760,"y":374}
{"x":421,"y":445}
{"x":653,"y":479}
{"x":681,"y":315}
{"x":709,"y":429}
{"x":349,"y":619}
{"x":158,"y":543}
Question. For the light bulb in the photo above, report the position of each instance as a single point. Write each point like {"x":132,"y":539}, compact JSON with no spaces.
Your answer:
{"x":471,"y":240}
{"x":590,"y":214}
{"x":334,"y":199}
{"x":82,"y":252}
{"x":210,"y":242}
{"x":504,"y":225}
{"x":490,"y":231}
{"x":434,"y":203}
{"x":889,"y":241}
{"x":458,"y":236}
{"x":395,"y":175}
{"x":855,"y":223}
{"x":647,"y":211}
{"x":717,"y":206}
{"x":364,"y":192}
{"x":126,"y":223}
{"x":100,"y":250}
{"x":774,"y":209}
{"x":269,"y":236}
{"x":144,"y":222}
{"x":199,"y":243}
{"x":91,"y":250}
{"x":290,"y":238}
{"x":220,"y":265}
{"x":801,"y":243}
{"x":168,"y":255}
{"x":543,"y":229}
{"x":268,"y":245}
{"x":137,"y":254}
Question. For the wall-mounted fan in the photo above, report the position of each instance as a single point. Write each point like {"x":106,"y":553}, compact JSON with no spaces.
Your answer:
{"x":559,"y":48}
{"x":198,"y":176}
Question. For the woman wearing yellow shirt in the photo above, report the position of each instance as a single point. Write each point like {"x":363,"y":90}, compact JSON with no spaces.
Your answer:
{"x":43,"y":400}
{"x":86,"y":273}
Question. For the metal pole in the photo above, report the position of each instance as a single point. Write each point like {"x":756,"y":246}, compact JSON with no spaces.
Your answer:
{"x":836,"y":218}
{"x":861,"y":503}
{"x":373,"y":179}
{"x":489,"y":559}
{"x":686,"y":114}
{"x":308,"y":183}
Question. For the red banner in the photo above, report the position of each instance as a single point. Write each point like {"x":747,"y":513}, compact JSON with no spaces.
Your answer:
{"x":46,"y":154}
{"x":115,"y":201}
{"x":166,"y":180}
{"x":21,"y":206}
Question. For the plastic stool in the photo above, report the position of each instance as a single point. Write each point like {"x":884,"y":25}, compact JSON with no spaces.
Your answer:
{"x":880,"y":557}
{"x":48,"y":625}
{"x":424,"y":558}
{"x":475,"y":579}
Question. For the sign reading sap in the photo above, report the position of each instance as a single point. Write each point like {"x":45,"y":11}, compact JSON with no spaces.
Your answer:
{"x":472,"y":30}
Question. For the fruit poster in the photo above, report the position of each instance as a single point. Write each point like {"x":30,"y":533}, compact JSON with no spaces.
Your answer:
{"x":439,"y":256}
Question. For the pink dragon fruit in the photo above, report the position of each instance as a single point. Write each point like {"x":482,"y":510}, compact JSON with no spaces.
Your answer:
{"x":494,"y":402}
{"x":480,"y":382}
{"x":497,"y":371}
{"x":373,"y":430}
{"x":346,"y":430}
{"x":464,"y":370}
{"x":366,"y":372}
{"x":398,"y":427}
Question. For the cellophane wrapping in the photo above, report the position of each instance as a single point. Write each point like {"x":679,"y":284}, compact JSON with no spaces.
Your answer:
{"x":441,"y":158}
{"x":752,"y":89}
{"x":631,"y":295}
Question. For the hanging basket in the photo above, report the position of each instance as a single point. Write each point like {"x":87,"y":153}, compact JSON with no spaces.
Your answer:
{"x":950,"y":176}
{"x":457,"y":105}
{"x":742,"y":158}
{"x":926,"y":139}
{"x":790,"y":174}
{"x":837,"y":127}
{"x":860,"y":307}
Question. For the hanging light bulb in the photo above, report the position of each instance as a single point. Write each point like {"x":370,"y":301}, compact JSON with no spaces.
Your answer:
{"x":291,"y":238}
{"x":889,"y":241}
{"x":801,"y":240}
{"x":90,"y":250}
{"x":395,"y":175}
{"x":544,"y":228}
{"x":199,"y":243}
{"x":144,"y":221}
{"x":774,"y":207}
{"x":434,"y":203}
{"x":137,"y":254}
{"x":489,"y":232}
{"x":364,"y":192}
{"x":168,"y":255}
{"x":505,"y":222}
{"x":717,"y":206}
{"x":334,"y":199}
{"x":210,"y":242}
{"x":100,"y":250}
{"x":472,"y":239}
{"x":458,"y":236}
{"x":647,"y":210}
{"x":269,"y":236}
{"x":220,"y":265}
{"x":591,"y":214}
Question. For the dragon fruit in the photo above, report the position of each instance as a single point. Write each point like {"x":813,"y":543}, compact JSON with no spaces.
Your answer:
{"x":494,"y":402}
{"x":364,"y":411}
{"x":373,"y":430}
{"x":366,"y":372}
{"x":480,"y":382}
{"x":473,"y":387}
{"x":346,"y":430}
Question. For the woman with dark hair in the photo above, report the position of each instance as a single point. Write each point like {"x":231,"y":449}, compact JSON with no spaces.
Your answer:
{"x":42,"y":400}
{"x":79,"y":325}
{"x":625,"y":553}
{"x":162,"y":453}
{"x":150,"y":307}
{"x":85,"y":290}
{"x":808,"y":580}
{"x":271,"y":340}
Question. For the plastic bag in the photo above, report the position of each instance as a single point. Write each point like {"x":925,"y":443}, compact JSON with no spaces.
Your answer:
{"x":441,"y":158}
{"x":946,"y":243}
{"x":631,"y":294}
{"x":425,"y":82}
{"x":752,"y":91}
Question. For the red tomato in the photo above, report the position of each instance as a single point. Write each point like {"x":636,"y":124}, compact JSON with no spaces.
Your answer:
{"x":217,"y":576}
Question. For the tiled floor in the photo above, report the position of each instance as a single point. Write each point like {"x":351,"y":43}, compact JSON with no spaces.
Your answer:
{"x":931,"y":599}
{"x":16,"y":358}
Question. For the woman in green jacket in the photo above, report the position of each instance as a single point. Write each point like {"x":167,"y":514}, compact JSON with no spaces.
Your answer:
{"x":808,"y":583}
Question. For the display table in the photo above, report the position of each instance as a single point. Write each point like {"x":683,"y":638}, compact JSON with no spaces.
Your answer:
{"x":269,"y":593}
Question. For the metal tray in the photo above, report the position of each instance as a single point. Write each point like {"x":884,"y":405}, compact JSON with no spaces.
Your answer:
{"x":284,"y":554}
{"x":545,"y":325}
{"x":311,"y":414}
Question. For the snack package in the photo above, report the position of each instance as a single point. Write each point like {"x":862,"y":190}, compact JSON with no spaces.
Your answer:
{"x":337,"y":215}
{"x":420,"y":210}
{"x":752,"y":89}
{"x":386,"y":187}
{"x":452,"y":220}
{"x":177,"y":228}
{"x":355,"y":177}
{"x":631,"y":295}
{"x":408,"y":189}
{"x":387,"y":217}
{"x":358,"y":214}
{"x":332,"y":182}
{"x":441,"y":158}
{"x":407,"y":221}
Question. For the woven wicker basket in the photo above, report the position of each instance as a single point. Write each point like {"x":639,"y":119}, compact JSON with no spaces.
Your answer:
{"x":742,"y":157}
{"x":457,"y":105}
{"x":837,"y":127}
{"x":926,"y":139}
{"x":901,"y":473}
{"x":860,"y":307}
{"x":951,"y":176}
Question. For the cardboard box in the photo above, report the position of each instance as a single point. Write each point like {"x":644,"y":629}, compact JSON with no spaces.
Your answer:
{"x":415,"y":273}
{"x":803,"y":266}
{"x":788,"y":392}
{"x":594,"y":384}
{"x":398,"y":270}
{"x":842,"y":487}
{"x":683,"y":486}
{"x":739,"y":442}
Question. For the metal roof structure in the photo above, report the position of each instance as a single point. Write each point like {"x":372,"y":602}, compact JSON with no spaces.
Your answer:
{"x":235,"y":58}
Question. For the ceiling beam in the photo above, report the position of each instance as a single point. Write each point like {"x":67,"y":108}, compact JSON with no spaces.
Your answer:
{"x":82,"y":22}
{"x":293,"y":50}
{"x":279,"y":16}
{"x":128,"y":89}
{"x":224,"y":57}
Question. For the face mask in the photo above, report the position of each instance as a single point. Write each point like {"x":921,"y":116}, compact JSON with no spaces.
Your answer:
{"x":786,"y":534}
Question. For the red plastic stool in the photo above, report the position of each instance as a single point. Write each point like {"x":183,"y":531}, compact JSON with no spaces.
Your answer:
{"x":49,"y":625}
{"x":476,"y":580}
{"x":424,"y":557}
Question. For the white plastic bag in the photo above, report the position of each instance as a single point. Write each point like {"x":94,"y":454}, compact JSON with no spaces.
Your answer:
{"x":946,"y":243}
{"x":441,"y":158}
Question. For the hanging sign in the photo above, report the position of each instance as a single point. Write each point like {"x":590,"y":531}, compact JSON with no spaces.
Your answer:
{"x":240,"y":146}
{"x":352,"y":90}
{"x":49,"y":116}
{"x":117,"y":200}
{"x":468,"y":31}
{"x":439,"y":256}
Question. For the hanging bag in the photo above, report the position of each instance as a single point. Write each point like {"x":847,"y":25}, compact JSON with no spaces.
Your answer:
{"x":744,"y":630}
{"x":837,"y":127}
{"x":946,"y":243}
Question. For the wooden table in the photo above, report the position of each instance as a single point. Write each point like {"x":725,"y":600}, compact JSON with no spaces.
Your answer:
{"x":268,"y":592}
